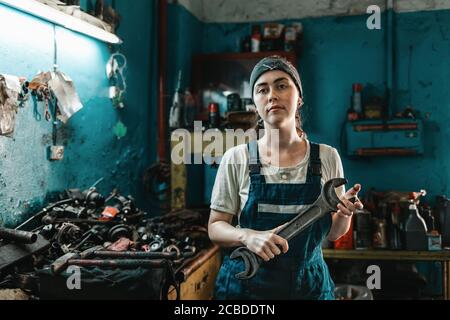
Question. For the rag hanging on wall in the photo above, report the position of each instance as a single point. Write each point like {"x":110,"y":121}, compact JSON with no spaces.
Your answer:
{"x":10,"y":89}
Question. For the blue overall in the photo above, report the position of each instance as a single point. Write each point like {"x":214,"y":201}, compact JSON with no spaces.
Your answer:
{"x":301,"y":273}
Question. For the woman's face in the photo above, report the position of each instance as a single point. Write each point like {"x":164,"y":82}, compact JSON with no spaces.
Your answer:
{"x":277,"y":98}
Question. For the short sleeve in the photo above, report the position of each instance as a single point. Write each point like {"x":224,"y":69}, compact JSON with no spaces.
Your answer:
{"x":225,"y":193}
{"x":332,"y":167}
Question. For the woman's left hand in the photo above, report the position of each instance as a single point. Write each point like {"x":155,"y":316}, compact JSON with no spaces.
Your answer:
{"x":347,"y":208}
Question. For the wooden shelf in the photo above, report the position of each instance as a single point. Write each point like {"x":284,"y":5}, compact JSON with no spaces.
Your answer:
{"x":291,"y":56}
{"x":387,"y":255}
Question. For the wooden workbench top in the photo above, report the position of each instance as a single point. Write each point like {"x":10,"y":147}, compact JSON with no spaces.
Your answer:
{"x":387,"y":255}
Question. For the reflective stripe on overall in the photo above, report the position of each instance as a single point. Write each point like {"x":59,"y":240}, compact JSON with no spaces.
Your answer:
{"x":301,"y":273}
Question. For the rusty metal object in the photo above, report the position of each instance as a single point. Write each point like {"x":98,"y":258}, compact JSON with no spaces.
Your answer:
{"x":11,"y":254}
{"x":49,"y":219}
{"x":172,"y":248}
{"x":18,"y":236}
{"x":62,"y":262}
{"x":142,"y":255}
{"x":119,"y":263}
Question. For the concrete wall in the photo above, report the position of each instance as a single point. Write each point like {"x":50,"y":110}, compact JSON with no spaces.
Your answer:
{"x":27,"y":178}
{"x":226,"y":11}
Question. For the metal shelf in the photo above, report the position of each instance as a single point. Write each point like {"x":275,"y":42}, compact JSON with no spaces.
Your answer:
{"x":441,"y":256}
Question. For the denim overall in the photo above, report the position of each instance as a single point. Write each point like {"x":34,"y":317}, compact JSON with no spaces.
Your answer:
{"x":301,"y":273}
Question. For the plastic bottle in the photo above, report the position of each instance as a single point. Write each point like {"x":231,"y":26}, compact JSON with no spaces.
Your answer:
{"x":290,"y":38}
{"x":256,"y":38}
{"x":362,"y":231}
{"x":356,"y":98}
{"x":379,"y":234}
{"x":346,"y":241}
{"x":189,"y":109}
{"x":415,"y":229}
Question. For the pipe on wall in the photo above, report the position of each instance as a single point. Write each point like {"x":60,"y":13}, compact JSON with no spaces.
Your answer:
{"x":390,"y":57}
{"x":162,"y":75}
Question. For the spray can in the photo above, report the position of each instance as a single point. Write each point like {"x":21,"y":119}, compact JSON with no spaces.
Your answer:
{"x":214,"y":115}
{"x":356,"y":98}
{"x":362,"y":231}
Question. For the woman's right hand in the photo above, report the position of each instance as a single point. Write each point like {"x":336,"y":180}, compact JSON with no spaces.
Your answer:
{"x":265,"y":244}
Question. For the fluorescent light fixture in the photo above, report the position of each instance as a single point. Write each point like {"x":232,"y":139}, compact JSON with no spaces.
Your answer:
{"x":53,"y":15}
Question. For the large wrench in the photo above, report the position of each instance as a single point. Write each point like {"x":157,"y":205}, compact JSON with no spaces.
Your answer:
{"x":327,"y":202}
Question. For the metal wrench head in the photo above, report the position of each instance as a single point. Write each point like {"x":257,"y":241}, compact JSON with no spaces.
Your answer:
{"x":329,"y":195}
{"x":251,"y":262}
{"x":328,"y":200}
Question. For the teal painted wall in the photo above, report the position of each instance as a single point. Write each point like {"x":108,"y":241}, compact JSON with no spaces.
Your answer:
{"x":339,"y":51}
{"x":92,"y":150}
{"x":184,"y":41}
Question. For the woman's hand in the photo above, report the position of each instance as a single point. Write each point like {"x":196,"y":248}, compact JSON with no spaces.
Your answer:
{"x":349,"y":207}
{"x":265,"y":244}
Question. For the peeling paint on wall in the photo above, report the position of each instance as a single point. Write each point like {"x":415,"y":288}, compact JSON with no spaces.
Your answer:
{"x":217,"y":11}
{"x":195,"y":7}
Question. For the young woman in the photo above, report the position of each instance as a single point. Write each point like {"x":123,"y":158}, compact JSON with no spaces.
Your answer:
{"x":287,"y":177}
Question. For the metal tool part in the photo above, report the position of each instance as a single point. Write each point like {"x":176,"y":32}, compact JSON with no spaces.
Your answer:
{"x":18,"y":236}
{"x":327,"y":202}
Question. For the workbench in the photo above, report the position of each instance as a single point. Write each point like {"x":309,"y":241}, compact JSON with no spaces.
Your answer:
{"x":198,"y":277}
{"x":391,"y":255}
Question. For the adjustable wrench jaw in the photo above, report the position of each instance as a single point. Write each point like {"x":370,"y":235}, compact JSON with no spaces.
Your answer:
{"x":327,"y":202}
{"x":329,"y":199}
{"x":251,"y":262}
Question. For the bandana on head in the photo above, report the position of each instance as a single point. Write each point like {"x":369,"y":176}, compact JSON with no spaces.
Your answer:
{"x":275,"y":63}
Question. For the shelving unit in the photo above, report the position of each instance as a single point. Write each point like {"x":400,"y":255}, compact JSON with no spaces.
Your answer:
{"x":391,"y":255}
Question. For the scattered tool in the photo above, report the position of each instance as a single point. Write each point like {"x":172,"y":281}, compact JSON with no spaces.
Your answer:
{"x":13,"y":253}
{"x":18,"y":236}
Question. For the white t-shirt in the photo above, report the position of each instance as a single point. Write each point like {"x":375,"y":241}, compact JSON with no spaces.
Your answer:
{"x":230,"y":191}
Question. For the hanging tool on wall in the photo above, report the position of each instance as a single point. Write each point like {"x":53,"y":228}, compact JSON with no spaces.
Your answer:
{"x":9,"y":91}
{"x":115,"y":69}
{"x":176,"y":110}
{"x":55,"y":90}
{"x":39,"y":89}
{"x":55,"y":151}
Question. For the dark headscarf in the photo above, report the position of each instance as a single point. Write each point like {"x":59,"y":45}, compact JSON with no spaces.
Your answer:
{"x":275,"y":63}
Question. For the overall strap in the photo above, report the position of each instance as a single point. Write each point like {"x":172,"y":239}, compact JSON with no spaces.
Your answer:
{"x":254,"y":164}
{"x":315,"y":165}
